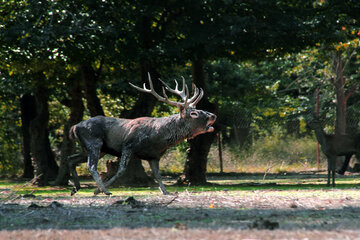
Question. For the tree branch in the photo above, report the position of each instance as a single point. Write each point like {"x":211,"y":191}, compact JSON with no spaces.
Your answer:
{"x":351,"y":92}
{"x":348,"y":59}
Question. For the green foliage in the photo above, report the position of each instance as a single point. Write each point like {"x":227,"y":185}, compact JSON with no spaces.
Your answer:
{"x":10,"y":139}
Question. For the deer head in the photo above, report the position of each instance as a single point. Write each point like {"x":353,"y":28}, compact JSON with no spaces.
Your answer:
{"x":201,"y":120}
{"x":314,"y":123}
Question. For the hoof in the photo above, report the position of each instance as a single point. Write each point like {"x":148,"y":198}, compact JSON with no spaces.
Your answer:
{"x":166,"y":193}
{"x":73,"y":192}
{"x":97,"y":191}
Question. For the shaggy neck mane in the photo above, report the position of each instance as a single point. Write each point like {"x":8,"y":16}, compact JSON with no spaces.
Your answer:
{"x":177,"y":129}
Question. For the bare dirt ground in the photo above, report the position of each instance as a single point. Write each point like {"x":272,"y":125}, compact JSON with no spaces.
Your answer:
{"x":300,"y":212}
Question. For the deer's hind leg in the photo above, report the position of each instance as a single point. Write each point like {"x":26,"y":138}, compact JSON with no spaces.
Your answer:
{"x":345,"y":165}
{"x":73,"y":161}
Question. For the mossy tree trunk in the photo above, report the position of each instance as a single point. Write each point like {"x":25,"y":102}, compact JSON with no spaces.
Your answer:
{"x":195,"y":165}
{"x":42,"y":156}
{"x":67,"y":146}
{"x":28,"y":112}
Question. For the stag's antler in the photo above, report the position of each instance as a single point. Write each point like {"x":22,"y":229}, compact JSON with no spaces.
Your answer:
{"x":194,"y":100}
{"x":184,"y":93}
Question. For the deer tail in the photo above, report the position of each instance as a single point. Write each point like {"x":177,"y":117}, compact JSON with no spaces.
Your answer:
{"x":72,"y":133}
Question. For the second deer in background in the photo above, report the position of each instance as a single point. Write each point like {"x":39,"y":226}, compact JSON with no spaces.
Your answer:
{"x":335,"y":145}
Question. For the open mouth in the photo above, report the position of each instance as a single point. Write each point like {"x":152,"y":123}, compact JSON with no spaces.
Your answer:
{"x":209,"y":127}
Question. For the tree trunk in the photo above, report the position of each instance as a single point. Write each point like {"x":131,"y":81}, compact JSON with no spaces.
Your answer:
{"x":195,"y":165}
{"x":339,"y":83}
{"x":146,"y":102}
{"x":341,"y":97}
{"x":28,"y":111}
{"x":135,"y":172}
{"x":134,"y":175}
{"x":42,"y":157}
{"x":67,"y":146}
{"x":90,"y":79}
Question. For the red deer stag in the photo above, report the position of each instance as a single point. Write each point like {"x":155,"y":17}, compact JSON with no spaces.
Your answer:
{"x":144,"y":138}
{"x":335,"y":145}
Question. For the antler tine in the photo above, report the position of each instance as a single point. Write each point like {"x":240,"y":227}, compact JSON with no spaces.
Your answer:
{"x":184,"y":93}
{"x":184,"y":90}
{"x":144,"y":89}
{"x":139,"y":88}
{"x":153,"y":92}
{"x":198,"y":98}
{"x":168,"y":101}
{"x":195,"y":91}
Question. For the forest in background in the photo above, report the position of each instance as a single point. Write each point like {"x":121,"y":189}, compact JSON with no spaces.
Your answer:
{"x":259,"y":62}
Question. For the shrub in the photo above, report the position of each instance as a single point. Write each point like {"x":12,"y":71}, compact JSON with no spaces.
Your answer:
{"x":275,"y":152}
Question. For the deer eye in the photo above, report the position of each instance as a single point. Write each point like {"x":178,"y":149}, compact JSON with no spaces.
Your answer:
{"x":194,"y":114}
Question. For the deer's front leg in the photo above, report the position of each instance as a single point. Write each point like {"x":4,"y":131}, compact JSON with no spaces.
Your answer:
{"x":331,"y":170}
{"x":93,"y":159}
{"x":154,"y":165}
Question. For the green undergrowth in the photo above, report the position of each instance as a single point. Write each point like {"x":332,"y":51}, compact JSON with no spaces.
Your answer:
{"x":272,"y":153}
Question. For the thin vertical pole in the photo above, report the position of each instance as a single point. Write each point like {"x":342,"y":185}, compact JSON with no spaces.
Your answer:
{"x":218,"y":135}
{"x":317,"y":143}
{"x":220,"y":152}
